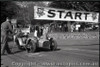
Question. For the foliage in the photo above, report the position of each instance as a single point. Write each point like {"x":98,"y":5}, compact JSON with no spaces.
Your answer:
{"x":24,"y":10}
{"x":75,"y":5}
{"x":91,"y":6}
{"x":8,"y":9}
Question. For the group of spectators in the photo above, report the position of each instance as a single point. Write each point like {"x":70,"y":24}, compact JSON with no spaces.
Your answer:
{"x":66,"y":28}
{"x":73,"y":27}
{"x":76,"y":27}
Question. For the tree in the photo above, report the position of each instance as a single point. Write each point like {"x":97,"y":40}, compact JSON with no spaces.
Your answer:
{"x":81,"y":6}
{"x":26,"y":12}
{"x":8,"y":9}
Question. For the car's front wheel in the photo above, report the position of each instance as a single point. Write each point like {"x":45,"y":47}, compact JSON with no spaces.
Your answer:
{"x":31,"y":47}
{"x":18,"y":44}
{"x":53,"y":45}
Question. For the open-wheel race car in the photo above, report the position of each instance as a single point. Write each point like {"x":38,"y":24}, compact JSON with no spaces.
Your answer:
{"x":32,"y":43}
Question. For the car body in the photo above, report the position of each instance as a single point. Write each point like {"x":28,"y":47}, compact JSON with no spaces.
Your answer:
{"x":32,"y":43}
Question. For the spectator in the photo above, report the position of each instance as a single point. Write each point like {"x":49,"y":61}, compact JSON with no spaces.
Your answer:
{"x":72,"y":27}
{"x":82,"y":28}
{"x":60,"y":28}
{"x":77,"y":27}
{"x":65,"y":27}
{"x":6,"y":30}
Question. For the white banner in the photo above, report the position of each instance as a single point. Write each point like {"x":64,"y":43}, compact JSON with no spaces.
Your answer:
{"x":46,"y":13}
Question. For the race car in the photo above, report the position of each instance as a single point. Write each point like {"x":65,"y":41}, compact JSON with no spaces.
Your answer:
{"x":32,"y":43}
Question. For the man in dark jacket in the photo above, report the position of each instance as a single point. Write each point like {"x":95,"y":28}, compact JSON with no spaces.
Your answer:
{"x":6,"y":28}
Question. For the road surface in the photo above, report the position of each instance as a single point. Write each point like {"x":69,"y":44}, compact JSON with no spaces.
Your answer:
{"x":70,"y":53}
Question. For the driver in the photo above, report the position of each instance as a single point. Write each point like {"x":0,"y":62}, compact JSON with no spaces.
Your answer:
{"x":37,"y":32}
{"x":45,"y":32}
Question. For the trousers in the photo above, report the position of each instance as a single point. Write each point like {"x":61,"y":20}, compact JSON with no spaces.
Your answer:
{"x":4,"y":45}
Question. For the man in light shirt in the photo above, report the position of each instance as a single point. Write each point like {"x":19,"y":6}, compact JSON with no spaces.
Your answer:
{"x":77,"y":27}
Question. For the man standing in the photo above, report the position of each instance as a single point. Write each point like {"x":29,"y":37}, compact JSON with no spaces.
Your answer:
{"x":6,"y":29}
{"x":72,"y":27}
{"x":77,"y":27}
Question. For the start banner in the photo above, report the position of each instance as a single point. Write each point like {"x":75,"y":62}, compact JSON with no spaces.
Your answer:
{"x":46,"y":13}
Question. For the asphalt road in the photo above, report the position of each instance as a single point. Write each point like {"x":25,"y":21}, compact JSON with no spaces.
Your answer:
{"x":70,"y":53}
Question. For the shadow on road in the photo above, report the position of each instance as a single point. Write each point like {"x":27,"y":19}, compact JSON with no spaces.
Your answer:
{"x":80,"y":45}
{"x":18,"y":51}
{"x":46,"y":50}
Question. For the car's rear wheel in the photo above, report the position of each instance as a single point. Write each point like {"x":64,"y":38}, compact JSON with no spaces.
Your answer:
{"x":31,"y":47}
{"x":53,"y":45}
